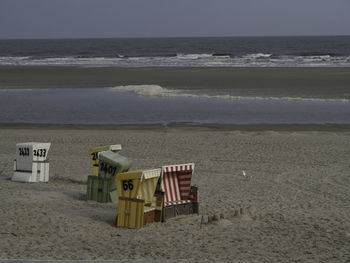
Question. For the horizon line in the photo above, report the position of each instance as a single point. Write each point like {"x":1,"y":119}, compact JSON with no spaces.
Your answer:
{"x":164,"y":37}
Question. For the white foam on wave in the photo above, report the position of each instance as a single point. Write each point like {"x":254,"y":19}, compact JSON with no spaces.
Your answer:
{"x":193,"y":56}
{"x":308,"y":59}
{"x":146,"y":90}
{"x":158,"y":91}
{"x":257,"y":56}
{"x":185,"y":60}
{"x":13,"y":58}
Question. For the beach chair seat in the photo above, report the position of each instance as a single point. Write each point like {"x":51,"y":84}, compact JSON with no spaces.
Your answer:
{"x":178,"y":202}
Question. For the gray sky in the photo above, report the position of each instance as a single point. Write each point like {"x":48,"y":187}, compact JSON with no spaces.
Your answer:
{"x":171,"y":18}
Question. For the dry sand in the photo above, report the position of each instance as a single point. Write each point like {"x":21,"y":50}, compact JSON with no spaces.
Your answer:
{"x":295,"y":208}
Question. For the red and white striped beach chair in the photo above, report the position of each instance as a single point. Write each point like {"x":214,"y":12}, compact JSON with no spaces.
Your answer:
{"x":180,"y":198}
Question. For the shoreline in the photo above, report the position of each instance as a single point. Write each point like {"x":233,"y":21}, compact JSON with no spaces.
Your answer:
{"x":258,"y":81}
{"x":183,"y":126}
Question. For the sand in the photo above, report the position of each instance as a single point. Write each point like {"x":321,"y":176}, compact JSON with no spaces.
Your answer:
{"x":295,"y":206}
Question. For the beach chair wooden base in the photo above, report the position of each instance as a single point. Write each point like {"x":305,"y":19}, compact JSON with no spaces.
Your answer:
{"x":149,"y":217}
{"x":39,"y":172}
{"x":101,"y":189}
{"x":169,"y":212}
{"x":185,"y":209}
{"x":157,"y":216}
{"x":180,"y":209}
{"x":195,"y":207}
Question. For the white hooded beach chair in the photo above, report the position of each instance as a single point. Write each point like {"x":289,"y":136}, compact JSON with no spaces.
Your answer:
{"x":31,"y":163}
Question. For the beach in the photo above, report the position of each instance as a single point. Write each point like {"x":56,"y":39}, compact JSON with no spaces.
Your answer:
{"x":293,"y":206}
{"x":236,"y":117}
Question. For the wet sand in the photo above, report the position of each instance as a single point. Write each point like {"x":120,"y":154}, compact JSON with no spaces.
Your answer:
{"x":277,"y":82}
{"x":295,"y":207}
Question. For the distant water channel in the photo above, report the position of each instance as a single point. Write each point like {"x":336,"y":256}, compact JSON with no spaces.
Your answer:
{"x":107,"y":106}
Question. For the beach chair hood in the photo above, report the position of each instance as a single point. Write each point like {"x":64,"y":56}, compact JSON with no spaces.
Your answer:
{"x":176,"y":183}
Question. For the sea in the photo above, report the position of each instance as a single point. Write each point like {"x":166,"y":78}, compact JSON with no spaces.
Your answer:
{"x":151,"y":104}
{"x":315,"y":51}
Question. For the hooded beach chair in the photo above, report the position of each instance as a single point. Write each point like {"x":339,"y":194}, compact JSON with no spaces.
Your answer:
{"x":180,"y":198}
{"x":102,"y":188}
{"x":138,"y":202}
{"x":31,"y":163}
{"x":94,"y":152}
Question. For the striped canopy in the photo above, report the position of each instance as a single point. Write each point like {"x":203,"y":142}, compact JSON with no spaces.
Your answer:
{"x":176,"y":183}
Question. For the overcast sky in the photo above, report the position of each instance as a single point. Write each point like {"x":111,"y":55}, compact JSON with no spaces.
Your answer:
{"x":171,"y":18}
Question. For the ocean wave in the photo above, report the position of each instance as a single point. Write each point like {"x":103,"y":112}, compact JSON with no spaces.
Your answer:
{"x":146,"y":90}
{"x":257,"y":56}
{"x":322,"y":58}
{"x":158,"y":91}
{"x":5,"y":58}
{"x":183,"y":60}
{"x":317,"y":54}
{"x":193,"y":56}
